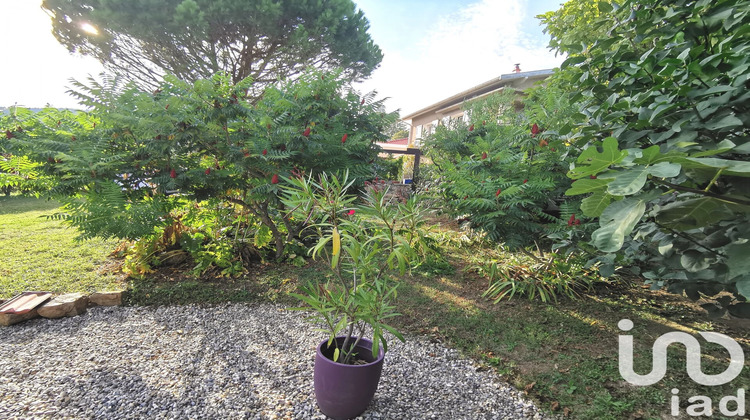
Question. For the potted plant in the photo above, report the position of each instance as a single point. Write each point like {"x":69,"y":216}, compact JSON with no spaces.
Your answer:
{"x":367,"y":247}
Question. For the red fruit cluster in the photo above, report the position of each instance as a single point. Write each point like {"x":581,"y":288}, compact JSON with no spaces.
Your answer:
{"x":173,"y":174}
{"x":573,"y":221}
{"x":499,"y":190}
{"x":275,"y":179}
{"x":343,"y":139}
{"x":307,"y":132}
{"x":525,"y":181}
{"x":484,"y":155}
{"x":265,"y":152}
{"x":593,"y":177}
{"x":471,"y":127}
{"x":8,"y":134}
{"x":534,"y":130}
{"x":208,"y":171}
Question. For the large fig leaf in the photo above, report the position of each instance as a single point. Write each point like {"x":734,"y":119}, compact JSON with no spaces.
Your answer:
{"x":628,"y":182}
{"x":632,"y":180}
{"x":618,"y":221}
{"x":653,"y":155}
{"x":587,"y":185}
{"x":665,"y":169}
{"x":738,"y":260}
{"x":694,"y":261}
{"x":591,"y":161}
{"x":594,"y":205}
{"x":743,"y":286}
{"x":740,"y":310}
{"x":693,"y":213}
{"x":728,"y":167}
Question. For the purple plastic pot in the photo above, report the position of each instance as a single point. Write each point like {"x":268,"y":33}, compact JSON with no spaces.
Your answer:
{"x":345,"y":391}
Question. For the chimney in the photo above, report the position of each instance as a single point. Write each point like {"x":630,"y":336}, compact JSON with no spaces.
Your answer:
{"x":518,"y":68}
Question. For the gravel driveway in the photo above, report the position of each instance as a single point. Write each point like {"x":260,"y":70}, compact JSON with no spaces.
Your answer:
{"x":232,"y":361}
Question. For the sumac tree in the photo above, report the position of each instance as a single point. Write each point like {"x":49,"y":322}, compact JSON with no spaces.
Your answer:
{"x":17,"y":171}
{"x":136,"y":155}
{"x":503,"y":170}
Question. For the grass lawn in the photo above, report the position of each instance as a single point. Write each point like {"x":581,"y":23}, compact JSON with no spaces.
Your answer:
{"x":564,"y":355}
{"x":37,"y":253}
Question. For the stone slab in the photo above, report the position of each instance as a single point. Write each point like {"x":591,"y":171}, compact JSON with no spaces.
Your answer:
{"x":70,"y":304}
{"x":105,"y":299}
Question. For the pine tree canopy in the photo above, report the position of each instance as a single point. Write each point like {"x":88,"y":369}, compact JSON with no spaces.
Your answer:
{"x":268,"y":40}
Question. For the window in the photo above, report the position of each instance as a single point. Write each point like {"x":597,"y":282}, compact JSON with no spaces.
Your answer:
{"x":457,"y":120}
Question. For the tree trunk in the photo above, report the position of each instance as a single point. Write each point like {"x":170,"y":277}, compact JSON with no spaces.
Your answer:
{"x":277,"y":236}
{"x":261,"y":210}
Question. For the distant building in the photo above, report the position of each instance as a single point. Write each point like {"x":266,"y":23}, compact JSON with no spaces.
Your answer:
{"x":424,"y":121}
{"x":396,"y":144}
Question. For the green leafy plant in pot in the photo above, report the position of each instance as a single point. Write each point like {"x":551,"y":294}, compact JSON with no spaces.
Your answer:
{"x":368,"y":244}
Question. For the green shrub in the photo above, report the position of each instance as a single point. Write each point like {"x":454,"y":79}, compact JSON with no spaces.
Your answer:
{"x":19,"y":172}
{"x":555,"y":276}
{"x":367,"y":244}
{"x":503,"y":171}
{"x":666,"y":139}
{"x":128,"y":166}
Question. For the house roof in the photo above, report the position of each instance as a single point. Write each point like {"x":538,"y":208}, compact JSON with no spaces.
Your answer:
{"x":394,"y":145}
{"x":482,"y":89}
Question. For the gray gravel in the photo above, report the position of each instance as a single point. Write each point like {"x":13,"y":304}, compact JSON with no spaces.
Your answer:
{"x":231,"y":361}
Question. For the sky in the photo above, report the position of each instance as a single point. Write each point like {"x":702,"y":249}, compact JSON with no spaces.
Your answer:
{"x":432,"y":49}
